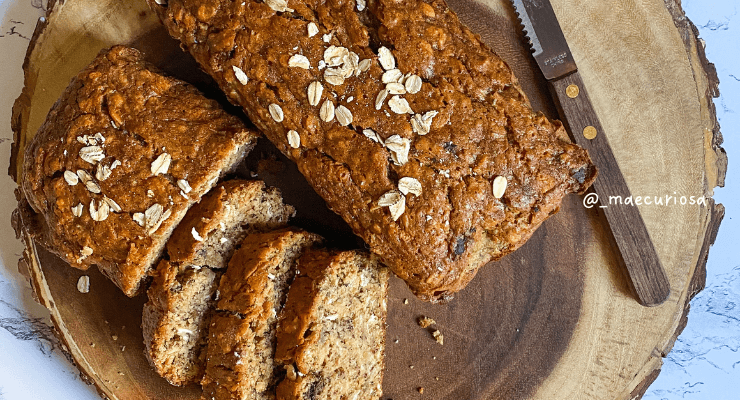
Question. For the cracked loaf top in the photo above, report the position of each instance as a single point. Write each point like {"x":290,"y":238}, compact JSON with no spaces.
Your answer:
{"x":123,"y":154}
{"x":409,"y":127}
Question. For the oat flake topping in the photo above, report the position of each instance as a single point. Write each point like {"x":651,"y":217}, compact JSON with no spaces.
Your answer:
{"x":294,"y":140}
{"x":499,"y":186}
{"x":71,"y":178}
{"x":395,"y":201}
{"x":78,"y":209}
{"x":161,"y":164}
{"x":315,"y":90}
{"x":279,"y":5}
{"x":390,"y":76}
{"x":196,"y":235}
{"x":276,"y":112}
{"x":387,"y":61}
{"x":327,"y":111}
{"x":299,"y":61}
{"x":344,"y":115}
{"x":409,"y":185}
{"x":312,"y":29}
{"x":92,"y":154}
{"x":240,"y":75}
{"x":399,"y":148}
{"x":399,"y":105}
{"x":184,"y":185}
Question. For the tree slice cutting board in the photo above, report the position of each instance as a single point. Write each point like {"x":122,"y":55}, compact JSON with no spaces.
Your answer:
{"x":554,"y":320}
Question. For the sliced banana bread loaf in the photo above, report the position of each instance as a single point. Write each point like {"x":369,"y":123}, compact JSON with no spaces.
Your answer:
{"x":241,"y":342}
{"x":181,"y":297}
{"x":410,"y":128}
{"x":123,"y":154}
{"x":331,"y":336}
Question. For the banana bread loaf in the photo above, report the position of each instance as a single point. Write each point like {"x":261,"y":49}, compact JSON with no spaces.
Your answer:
{"x":410,"y":128}
{"x":241,"y":345}
{"x":181,"y":297}
{"x":331,"y":336}
{"x":121,"y":157}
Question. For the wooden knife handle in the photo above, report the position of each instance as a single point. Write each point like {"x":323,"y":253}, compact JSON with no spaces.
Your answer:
{"x":630,"y":234}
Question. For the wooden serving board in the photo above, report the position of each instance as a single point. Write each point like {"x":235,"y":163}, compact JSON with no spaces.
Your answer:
{"x":554,"y":320}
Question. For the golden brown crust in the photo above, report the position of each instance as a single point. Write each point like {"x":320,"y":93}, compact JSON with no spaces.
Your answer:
{"x":484,"y":129}
{"x":117,"y":121}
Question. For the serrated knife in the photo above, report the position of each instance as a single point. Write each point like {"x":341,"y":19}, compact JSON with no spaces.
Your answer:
{"x":554,"y":58}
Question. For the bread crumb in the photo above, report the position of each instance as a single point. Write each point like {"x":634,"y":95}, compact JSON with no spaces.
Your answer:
{"x":290,"y":370}
{"x":425,"y":322}
{"x":114,"y":337}
{"x":395,"y":341}
{"x":411,"y":366}
{"x":436,"y":378}
{"x":421,"y":390}
{"x":405,"y":301}
{"x":438,"y":337}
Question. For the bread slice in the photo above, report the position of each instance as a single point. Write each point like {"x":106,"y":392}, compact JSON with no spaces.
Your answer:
{"x":434,"y":156}
{"x":122,"y":156}
{"x":331,"y":337}
{"x":181,"y":297}
{"x":224,"y":218}
{"x":241,"y":341}
{"x":175,"y":320}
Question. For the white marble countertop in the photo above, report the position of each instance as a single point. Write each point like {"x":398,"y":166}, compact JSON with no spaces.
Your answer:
{"x":704,"y":364}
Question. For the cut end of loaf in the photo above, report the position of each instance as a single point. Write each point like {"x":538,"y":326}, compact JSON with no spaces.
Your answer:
{"x":79,"y":168}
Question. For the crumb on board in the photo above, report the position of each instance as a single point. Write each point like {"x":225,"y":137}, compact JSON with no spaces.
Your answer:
{"x":421,"y":390}
{"x":405,"y":301}
{"x":425,"y":322}
{"x":438,"y":337}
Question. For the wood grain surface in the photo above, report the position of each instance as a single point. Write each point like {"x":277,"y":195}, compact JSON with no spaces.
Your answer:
{"x":554,"y":320}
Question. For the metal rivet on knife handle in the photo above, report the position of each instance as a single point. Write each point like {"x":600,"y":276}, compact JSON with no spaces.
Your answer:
{"x":572,"y":91}
{"x":589,"y":132}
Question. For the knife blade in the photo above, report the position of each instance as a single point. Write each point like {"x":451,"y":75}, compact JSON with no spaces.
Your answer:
{"x":552,"y":54}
